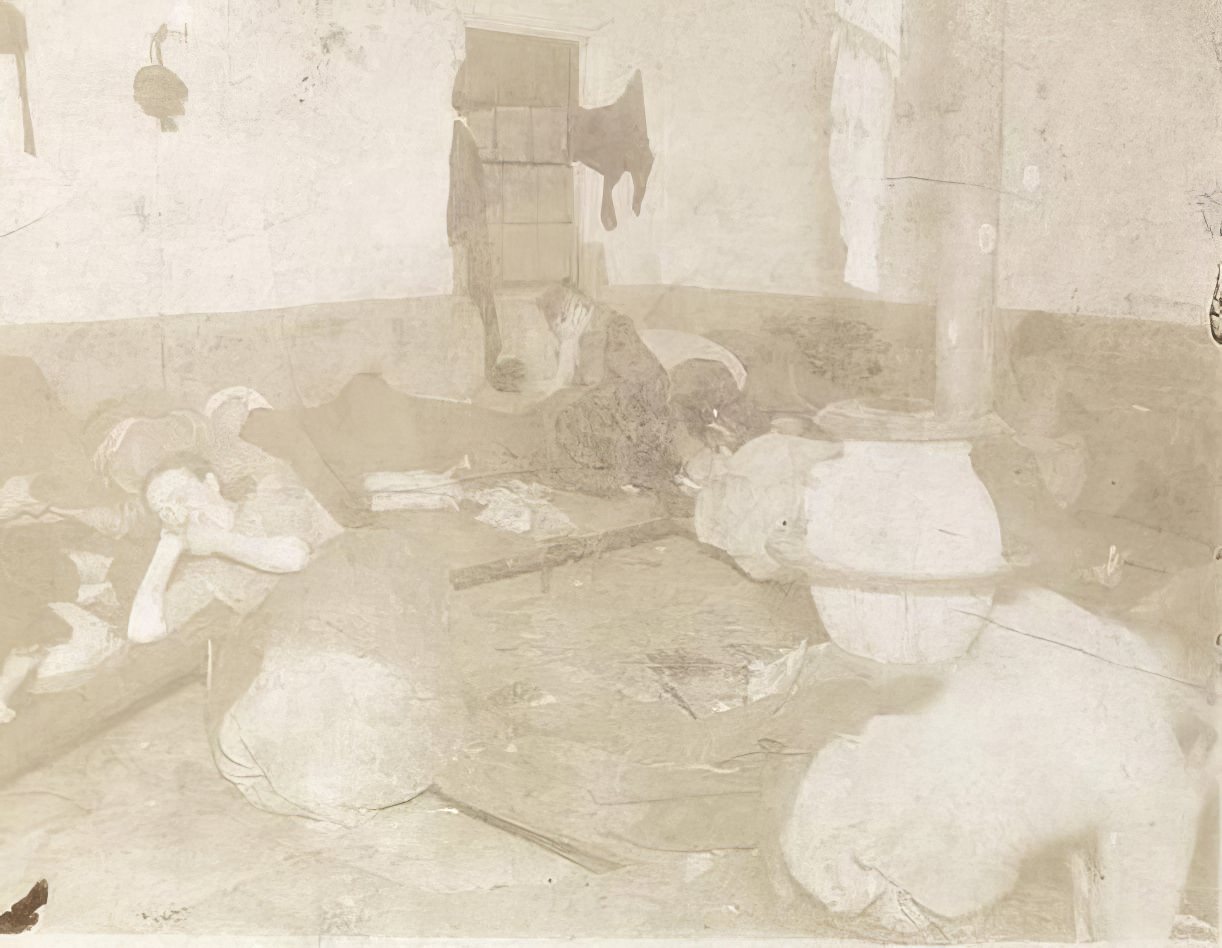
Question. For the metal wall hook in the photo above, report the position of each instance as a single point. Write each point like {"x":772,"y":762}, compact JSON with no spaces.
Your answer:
{"x":158,"y":38}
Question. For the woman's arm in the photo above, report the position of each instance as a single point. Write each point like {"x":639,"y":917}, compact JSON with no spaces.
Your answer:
{"x":270,"y":554}
{"x":147,"y":622}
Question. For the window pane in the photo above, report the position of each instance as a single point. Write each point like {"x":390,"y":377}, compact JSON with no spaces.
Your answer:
{"x":550,"y":132}
{"x":521,"y":253}
{"x":518,"y":190}
{"x":555,"y":251}
{"x":555,"y":194}
{"x":513,"y":134}
{"x":517,"y":76}
{"x":552,"y":71}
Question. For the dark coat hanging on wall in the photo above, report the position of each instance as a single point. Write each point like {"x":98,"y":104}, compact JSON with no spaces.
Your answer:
{"x":467,"y":227}
{"x":614,"y":140}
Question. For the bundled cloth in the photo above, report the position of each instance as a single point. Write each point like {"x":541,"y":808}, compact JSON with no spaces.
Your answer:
{"x":1058,"y":728}
{"x":336,"y":697}
{"x":746,"y":496}
{"x":512,"y":505}
{"x":415,"y":490}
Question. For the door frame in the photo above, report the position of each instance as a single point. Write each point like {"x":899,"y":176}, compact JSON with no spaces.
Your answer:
{"x":587,"y":193}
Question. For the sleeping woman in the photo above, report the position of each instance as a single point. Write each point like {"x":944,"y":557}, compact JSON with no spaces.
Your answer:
{"x":231,"y":518}
{"x":324,"y":618}
{"x":237,"y":552}
{"x":328,"y":620}
{"x":76,"y":532}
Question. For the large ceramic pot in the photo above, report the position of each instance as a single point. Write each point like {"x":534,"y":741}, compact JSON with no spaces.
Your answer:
{"x":906,"y":543}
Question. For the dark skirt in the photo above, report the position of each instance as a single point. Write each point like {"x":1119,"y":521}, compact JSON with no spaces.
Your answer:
{"x":35,"y":571}
{"x":42,"y":439}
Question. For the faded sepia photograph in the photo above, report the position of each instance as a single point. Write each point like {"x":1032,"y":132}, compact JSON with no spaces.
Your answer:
{"x":619,"y":471}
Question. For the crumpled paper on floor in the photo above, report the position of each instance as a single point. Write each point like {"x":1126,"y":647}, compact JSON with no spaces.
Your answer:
{"x":518,"y":507}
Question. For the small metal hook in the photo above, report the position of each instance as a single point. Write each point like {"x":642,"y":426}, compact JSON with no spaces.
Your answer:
{"x":163,"y":33}
{"x":155,"y":44}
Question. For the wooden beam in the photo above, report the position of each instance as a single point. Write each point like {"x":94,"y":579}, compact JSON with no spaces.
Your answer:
{"x":563,"y":551}
{"x":50,"y":725}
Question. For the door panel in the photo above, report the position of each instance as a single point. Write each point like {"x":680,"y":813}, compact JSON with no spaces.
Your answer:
{"x":517,"y":92}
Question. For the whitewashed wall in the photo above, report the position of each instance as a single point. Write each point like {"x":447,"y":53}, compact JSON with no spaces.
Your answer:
{"x":312,"y":165}
{"x":300,"y":173}
{"x":1119,"y":113}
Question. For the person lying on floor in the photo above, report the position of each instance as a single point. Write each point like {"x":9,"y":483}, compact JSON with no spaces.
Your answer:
{"x":236,"y":514}
{"x":73,"y":574}
{"x":606,"y":425}
{"x":63,"y":559}
{"x":324,"y":617}
{"x":66,"y":580}
{"x":707,"y":401}
{"x":237,"y":546}
{"x":75,"y":535}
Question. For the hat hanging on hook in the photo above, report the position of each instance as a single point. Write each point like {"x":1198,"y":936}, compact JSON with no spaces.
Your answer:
{"x":158,"y":90}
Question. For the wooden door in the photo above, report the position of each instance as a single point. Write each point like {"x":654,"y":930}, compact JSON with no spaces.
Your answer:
{"x":517,"y":93}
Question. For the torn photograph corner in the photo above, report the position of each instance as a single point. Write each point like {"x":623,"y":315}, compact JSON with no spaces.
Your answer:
{"x":524,"y":472}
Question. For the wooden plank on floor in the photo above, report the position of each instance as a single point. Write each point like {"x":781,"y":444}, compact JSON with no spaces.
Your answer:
{"x":563,"y":551}
{"x":48,"y":726}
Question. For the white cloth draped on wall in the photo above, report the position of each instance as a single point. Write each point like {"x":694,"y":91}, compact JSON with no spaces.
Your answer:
{"x":867,"y":45}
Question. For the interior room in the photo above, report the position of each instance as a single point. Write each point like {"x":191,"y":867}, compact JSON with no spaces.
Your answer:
{"x":619,"y":469}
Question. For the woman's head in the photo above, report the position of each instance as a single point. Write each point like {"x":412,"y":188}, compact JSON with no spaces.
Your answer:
{"x":567,"y":310}
{"x":184,"y":490}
